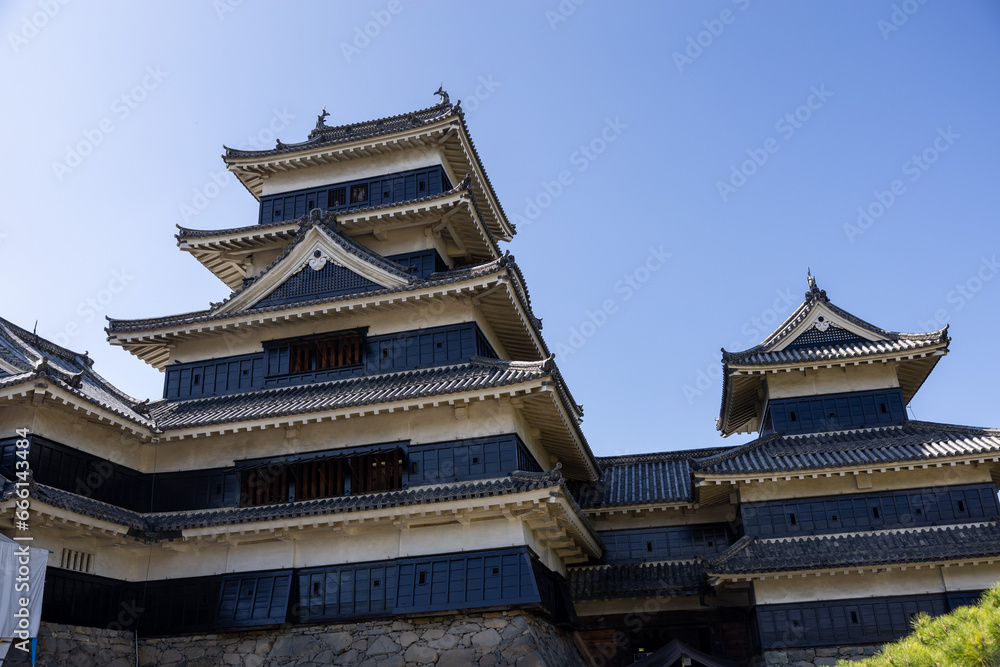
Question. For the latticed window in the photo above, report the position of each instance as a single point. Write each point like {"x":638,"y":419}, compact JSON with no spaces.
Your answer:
{"x":321,"y":354}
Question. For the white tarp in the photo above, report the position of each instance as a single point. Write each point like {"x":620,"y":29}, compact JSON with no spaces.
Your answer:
{"x":22,"y":582}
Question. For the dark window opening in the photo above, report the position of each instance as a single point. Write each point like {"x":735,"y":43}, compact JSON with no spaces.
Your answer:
{"x":246,"y":371}
{"x":791,"y":416}
{"x":310,"y":205}
{"x":796,"y":624}
{"x":326,"y":478}
{"x":882,"y":405}
{"x":854,"y":617}
{"x":218,"y":488}
{"x":197,"y":379}
{"x":649,"y":546}
{"x":319,"y":354}
{"x":919,"y":511}
{"x":475,"y":459}
{"x":422,"y":185}
{"x":875,"y":512}
{"x":336,"y":197}
{"x":376,"y":583}
{"x":386,"y":194}
{"x":833,"y":518}
{"x":961,"y":506}
{"x":413,"y":468}
{"x":277,"y":213}
{"x":791,"y":519}
{"x":316,"y":588}
{"x":831,"y":416}
{"x":359,"y":193}
{"x":496,"y":570}
{"x":421,"y":578}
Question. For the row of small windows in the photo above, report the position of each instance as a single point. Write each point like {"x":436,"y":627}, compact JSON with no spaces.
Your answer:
{"x":867,"y":511}
{"x":391,"y":188}
{"x":326,"y":357}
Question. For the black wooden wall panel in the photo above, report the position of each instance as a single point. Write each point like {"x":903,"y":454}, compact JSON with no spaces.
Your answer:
{"x":842,"y":622}
{"x":477,"y":458}
{"x":867,"y":511}
{"x":810,"y":414}
{"x":665,"y":543}
{"x":379,"y":190}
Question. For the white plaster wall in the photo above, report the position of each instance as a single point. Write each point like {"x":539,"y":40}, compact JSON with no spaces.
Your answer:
{"x":831,"y":380}
{"x":118,"y":559}
{"x":350,"y":170}
{"x":880,"y":481}
{"x":971,"y":577}
{"x":72,"y":428}
{"x":846,"y":586}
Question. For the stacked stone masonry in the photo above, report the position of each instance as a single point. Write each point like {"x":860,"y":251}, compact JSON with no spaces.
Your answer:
{"x":498,"y":639}
{"x":814,"y":657}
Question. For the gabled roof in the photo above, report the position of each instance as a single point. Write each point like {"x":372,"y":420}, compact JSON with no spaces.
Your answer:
{"x":315,"y":244}
{"x":818,"y":334}
{"x":456,"y":212}
{"x":442,"y":125}
{"x":498,"y":287}
{"x":752,"y":555}
{"x":35,"y":366}
{"x":913,"y":442}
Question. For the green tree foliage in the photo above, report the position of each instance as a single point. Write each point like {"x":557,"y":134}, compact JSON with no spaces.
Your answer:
{"x":967,"y":637}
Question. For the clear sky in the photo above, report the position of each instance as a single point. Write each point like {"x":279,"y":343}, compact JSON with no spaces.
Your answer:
{"x":674,"y":168}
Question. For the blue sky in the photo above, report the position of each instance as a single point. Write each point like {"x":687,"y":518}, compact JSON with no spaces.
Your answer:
{"x":675,"y":168}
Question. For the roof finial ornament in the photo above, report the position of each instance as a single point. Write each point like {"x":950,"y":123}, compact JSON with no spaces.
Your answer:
{"x":444,"y":96}
{"x":814,"y":291}
{"x":321,"y":119}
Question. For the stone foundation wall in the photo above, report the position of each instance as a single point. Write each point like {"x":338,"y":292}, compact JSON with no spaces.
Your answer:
{"x":501,"y":639}
{"x":814,"y":657}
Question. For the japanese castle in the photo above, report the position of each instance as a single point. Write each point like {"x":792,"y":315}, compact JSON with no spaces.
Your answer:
{"x":366,"y":454}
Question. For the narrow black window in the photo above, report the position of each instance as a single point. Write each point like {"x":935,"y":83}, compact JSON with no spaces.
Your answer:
{"x":874,"y":512}
{"x":422,"y":578}
{"x":649,"y":546}
{"x":413,"y":468}
{"x":336,"y":197}
{"x":376,"y":583}
{"x":197,"y":379}
{"x":496,"y":570}
{"x":883,"y":408}
{"x":961,"y":506}
{"x":791,"y":519}
{"x":310,"y":205}
{"x":854,"y":617}
{"x":422,"y":185}
{"x":791,"y":416}
{"x":315,"y":588}
{"x":359,"y":193}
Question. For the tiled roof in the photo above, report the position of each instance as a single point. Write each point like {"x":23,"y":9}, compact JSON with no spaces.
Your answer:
{"x":39,"y":359}
{"x":918,"y":353}
{"x":642,"y":479}
{"x":889,"y":547}
{"x":633,"y":580}
{"x":329,"y":136}
{"x":902,"y":345}
{"x":435,"y":279}
{"x":161,"y":522}
{"x":188,"y":233}
{"x":913,"y":441}
{"x":814,"y":297}
{"x":479,"y":373}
